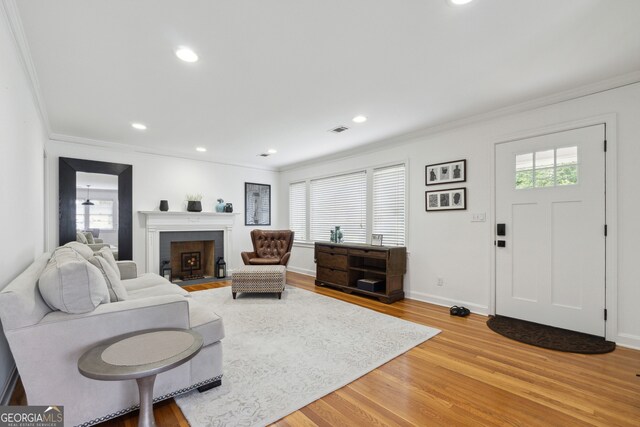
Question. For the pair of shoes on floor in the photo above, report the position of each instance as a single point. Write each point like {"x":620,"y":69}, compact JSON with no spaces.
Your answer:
{"x":459,"y":311}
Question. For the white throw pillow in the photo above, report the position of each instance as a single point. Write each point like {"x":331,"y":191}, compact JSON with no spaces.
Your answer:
{"x":83,"y":250}
{"x":80,"y":237}
{"x":117,"y":291}
{"x":108,"y":255}
{"x":71,"y":284}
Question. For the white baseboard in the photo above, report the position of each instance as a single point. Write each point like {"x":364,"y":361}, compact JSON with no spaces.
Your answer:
{"x":5,"y":396}
{"x":628,"y":341}
{"x":446,"y":302}
{"x":302,"y":271}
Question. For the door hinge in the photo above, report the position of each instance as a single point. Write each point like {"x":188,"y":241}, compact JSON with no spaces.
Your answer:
{"x":605,"y":314}
{"x":605,"y":145}
{"x":605,"y":230}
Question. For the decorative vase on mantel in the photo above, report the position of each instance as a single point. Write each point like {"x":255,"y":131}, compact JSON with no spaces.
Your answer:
{"x":194,"y":206}
{"x":220,"y":206}
{"x":164,"y":206}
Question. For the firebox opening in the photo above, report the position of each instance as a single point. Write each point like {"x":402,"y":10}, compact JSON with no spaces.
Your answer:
{"x":192,"y":260}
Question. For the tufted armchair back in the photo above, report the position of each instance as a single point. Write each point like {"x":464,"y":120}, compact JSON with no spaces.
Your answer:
{"x":269,"y":247}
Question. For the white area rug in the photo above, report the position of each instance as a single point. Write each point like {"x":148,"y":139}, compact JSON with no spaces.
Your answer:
{"x":281,"y":355}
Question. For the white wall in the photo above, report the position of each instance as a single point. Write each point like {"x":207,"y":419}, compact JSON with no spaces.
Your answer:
{"x":449,"y":245}
{"x":158,"y":177}
{"x":21,"y":177}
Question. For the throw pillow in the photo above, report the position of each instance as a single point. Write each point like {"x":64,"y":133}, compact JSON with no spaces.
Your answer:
{"x":117,"y":291}
{"x":71,"y":284}
{"x":89,"y":237}
{"x":80,"y":237}
{"x":80,"y":248}
{"x":108,"y":255}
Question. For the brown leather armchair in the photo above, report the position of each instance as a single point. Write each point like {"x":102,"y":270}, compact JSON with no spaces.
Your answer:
{"x":270,"y":247}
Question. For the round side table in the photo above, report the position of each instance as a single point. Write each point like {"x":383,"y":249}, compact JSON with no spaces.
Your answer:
{"x":140,"y":356}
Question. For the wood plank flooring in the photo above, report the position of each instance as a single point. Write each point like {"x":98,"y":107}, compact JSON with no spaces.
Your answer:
{"x":465,"y":376}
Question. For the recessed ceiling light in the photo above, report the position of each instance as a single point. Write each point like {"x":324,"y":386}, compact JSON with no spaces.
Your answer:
{"x":201,"y":149}
{"x":460,"y":2}
{"x":272,"y":151}
{"x":186,"y":54}
{"x":359,"y":119}
{"x":138,"y":126}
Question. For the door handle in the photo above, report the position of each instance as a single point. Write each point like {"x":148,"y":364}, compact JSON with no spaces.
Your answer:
{"x":501,"y":229}
{"x":502,"y":244}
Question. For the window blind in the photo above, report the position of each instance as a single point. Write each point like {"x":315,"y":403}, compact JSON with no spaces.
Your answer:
{"x":298,"y":210}
{"x":339,"y":200}
{"x":389,"y":204}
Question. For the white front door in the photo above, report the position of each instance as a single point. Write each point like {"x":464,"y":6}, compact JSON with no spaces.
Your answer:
{"x":550,"y":255}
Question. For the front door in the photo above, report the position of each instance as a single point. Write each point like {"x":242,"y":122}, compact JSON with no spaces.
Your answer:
{"x":550,"y":229}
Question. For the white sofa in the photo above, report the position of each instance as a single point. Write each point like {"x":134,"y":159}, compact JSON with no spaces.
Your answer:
{"x":46,"y":343}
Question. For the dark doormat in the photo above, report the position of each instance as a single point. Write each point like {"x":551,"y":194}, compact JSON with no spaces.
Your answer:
{"x":549,"y":336}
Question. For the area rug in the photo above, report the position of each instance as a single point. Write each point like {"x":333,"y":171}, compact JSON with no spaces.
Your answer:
{"x":281,"y":355}
{"x":549,"y":336}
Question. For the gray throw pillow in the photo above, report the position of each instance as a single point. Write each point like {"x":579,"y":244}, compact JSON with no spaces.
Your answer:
{"x":117,"y":291}
{"x":80,"y":248}
{"x":89,"y":237}
{"x":71,"y":284}
{"x":80,"y":237}
{"x":108,"y":255}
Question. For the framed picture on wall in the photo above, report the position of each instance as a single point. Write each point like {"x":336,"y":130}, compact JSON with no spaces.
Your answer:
{"x":257,"y":204}
{"x":446,"y":200}
{"x":445,"y":173}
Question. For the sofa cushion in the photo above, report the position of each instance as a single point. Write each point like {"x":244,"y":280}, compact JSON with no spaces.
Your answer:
{"x":80,"y":237}
{"x":145,"y":280}
{"x":106,"y":253}
{"x":71,"y":284}
{"x":158,"y":290}
{"x":204,"y":321}
{"x":117,"y":291}
{"x":81,"y":248}
{"x":89,"y":237}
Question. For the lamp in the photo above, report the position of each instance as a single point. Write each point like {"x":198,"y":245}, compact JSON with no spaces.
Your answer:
{"x":166,"y":270}
{"x":88,"y":202}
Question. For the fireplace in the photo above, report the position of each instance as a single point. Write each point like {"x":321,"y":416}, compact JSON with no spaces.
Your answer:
{"x":162,"y":228}
{"x":191,"y":255}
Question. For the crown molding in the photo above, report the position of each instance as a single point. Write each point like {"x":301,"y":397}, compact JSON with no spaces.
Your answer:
{"x":545,"y":101}
{"x":12,"y":16}
{"x":127,"y":148}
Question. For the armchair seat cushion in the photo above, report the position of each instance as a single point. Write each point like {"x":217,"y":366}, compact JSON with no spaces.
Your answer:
{"x":264,"y":261}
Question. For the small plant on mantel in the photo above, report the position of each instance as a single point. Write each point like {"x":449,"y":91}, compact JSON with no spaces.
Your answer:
{"x":194,"y":202}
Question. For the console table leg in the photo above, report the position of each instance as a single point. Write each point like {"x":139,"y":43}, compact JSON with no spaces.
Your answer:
{"x":145,"y":387}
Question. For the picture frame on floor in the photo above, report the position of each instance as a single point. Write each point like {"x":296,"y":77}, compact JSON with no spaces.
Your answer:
{"x":445,"y":173}
{"x":257,"y":204}
{"x":446,"y":200}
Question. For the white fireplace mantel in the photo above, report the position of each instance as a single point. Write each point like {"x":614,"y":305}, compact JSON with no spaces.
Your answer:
{"x":157,"y":222}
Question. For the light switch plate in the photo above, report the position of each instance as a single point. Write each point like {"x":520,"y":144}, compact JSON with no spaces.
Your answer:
{"x":478,"y":217}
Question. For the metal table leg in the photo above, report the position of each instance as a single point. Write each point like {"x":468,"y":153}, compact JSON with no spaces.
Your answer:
{"x":145,"y":387}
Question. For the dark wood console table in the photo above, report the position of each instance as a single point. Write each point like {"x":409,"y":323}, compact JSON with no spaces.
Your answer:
{"x":342,"y":265}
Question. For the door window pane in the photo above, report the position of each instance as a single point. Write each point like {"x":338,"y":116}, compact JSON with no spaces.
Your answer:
{"x":524,"y":171}
{"x":544,"y":169}
{"x":548,"y":168}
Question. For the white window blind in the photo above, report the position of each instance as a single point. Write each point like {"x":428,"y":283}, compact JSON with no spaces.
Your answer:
{"x":389,"y":204}
{"x":339,"y":200}
{"x":298,"y":210}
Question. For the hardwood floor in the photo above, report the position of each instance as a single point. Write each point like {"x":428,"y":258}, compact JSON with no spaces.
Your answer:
{"x":467,"y":375}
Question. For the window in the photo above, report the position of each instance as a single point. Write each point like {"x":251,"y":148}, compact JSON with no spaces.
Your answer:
{"x":389,"y":204}
{"x":298,"y":210}
{"x":100,"y":215}
{"x":339,"y":200}
{"x":548,"y":168}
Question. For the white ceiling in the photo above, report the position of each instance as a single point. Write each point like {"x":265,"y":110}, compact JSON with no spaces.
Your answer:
{"x":279,"y":74}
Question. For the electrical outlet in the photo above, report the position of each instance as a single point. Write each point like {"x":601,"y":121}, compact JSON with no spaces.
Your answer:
{"x":440,"y":281}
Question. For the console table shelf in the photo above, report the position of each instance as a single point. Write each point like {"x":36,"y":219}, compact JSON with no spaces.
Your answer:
{"x":342,"y":265}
